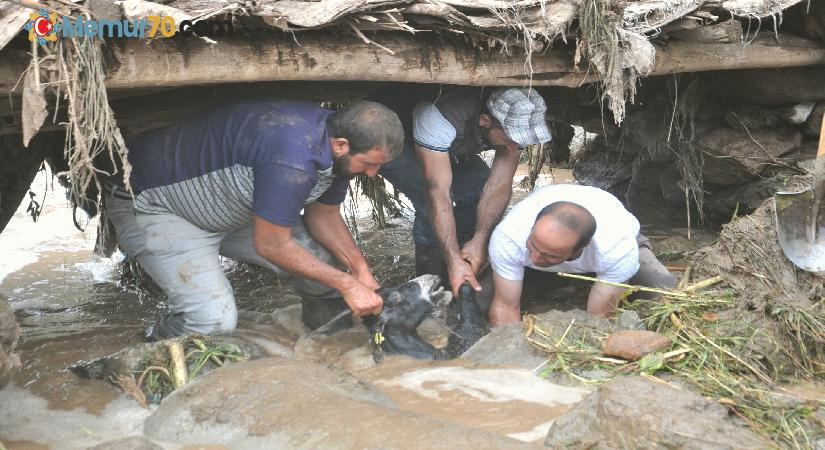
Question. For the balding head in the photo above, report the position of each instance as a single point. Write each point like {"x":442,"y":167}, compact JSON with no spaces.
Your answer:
{"x":561,"y":230}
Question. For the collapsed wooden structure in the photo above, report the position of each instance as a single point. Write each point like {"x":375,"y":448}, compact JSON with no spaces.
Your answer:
{"x":340,"y":49}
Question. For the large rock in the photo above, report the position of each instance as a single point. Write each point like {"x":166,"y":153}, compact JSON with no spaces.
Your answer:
{"x":735,"y":156}
{"x":9,"y":334}
{"x":279,"y":403}
{"x":634,"y":412}
{"x":604,"y":167}
{"x":584,"y":324}
{"x":506,"y":346}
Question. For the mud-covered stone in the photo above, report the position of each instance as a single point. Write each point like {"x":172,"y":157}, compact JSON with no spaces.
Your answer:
{"x":634,"y":344}
{"x":634,"y":412}
{"x":9,"y":334}
{"x":506,"y":346}
{"x":604,"y":167}
{"x":280,"y":403}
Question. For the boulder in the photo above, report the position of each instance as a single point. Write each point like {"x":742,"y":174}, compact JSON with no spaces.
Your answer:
{"x":506,"y":401}
{"x":604,"y":167}
{"x":506,"y":346}
{"x":634,"y":344}
{"x":635,"y":412}
{"x":347,"y":349}
{"x":629,"y":320}
{"x":281,"y":403}
{"x":9,"y":334}
{"x":275,"y":333}
{"x":735,"y":156}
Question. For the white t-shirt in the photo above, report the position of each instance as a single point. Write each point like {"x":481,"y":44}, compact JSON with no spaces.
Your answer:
{"x":612,"y":254}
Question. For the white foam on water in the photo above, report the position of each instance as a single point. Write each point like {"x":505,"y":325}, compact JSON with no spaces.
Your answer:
{"x":101,"y":269}
{"x":487,"y":385}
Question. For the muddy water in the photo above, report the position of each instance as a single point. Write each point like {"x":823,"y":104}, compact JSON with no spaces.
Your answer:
{"x":66,"y":304}
{"x":512,"y":402}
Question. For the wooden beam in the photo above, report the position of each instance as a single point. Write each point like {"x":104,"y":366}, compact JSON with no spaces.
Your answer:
{"x":415,"y":58}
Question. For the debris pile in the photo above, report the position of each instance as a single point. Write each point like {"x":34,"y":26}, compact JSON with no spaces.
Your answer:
{"x":752,"y":324}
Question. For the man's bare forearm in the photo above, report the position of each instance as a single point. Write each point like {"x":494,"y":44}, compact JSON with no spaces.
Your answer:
{"x":443,"y":222}
{"x":603,"y":299}
{"x":497,"y":192}
{"x":491,"y":206}
{"x":295,"y":259}
{"x":325,"y":224}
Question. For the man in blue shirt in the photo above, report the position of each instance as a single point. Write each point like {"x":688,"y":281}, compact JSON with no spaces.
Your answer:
{"x":233,"y":181}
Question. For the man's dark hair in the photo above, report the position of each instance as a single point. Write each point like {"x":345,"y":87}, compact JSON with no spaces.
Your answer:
{"x":574,"y":217}
{"x":366,"y":125}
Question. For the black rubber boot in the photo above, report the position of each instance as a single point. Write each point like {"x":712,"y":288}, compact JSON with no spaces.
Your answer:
{"x":318,"y":312}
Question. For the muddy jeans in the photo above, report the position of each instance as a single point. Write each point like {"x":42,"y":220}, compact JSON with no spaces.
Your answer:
{"x":183,"y":259}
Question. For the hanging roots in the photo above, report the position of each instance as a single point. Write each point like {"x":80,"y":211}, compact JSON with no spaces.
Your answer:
{"x":92,"y":129}
{"x":620,"y":57}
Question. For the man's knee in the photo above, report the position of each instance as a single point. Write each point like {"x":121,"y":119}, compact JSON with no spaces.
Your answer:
{"x":199,"y":313}
{"x":211,"y":319}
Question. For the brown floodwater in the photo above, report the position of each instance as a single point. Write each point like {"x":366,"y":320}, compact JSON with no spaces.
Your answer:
{"x":512,"y":402}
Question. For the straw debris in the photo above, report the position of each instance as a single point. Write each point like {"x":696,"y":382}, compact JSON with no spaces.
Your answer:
{"x":714,"y":355}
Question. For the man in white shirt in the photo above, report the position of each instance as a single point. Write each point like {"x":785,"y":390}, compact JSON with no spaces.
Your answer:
{"x":575,"y":229}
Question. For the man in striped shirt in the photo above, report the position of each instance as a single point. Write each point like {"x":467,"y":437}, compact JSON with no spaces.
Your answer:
{"x":233,"y":181}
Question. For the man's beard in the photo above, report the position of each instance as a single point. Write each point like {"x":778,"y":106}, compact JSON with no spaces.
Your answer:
{"x":340,"y":166}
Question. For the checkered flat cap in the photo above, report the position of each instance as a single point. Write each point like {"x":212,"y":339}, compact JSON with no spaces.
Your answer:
{"x":521,"y":113}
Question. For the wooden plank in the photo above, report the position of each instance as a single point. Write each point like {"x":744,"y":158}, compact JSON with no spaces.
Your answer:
{"x":12,"y":19}
{"x":419,"y":59}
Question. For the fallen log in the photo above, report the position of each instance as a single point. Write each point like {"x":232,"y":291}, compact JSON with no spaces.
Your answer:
{"x":418,"y":58}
